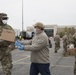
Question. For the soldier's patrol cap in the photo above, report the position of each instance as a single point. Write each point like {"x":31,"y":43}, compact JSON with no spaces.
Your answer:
{"x":3,"y":16}
{"x":40,"y":25}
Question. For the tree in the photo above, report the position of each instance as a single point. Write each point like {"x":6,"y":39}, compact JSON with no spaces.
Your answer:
{"x":61,"y":34}
{"x":72,"y":30}
{"x":65,"y":29}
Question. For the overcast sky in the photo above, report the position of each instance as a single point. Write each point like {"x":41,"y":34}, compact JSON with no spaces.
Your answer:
{"x":60,"y":12}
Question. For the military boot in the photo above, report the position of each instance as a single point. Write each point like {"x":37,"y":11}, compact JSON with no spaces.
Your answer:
{"x":55,"y":51}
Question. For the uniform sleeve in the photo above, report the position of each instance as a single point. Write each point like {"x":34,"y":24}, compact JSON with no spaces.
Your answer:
{"x":10,"y":43}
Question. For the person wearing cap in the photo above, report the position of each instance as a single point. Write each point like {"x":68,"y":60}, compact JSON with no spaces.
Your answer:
{"x":5,"y":46}
{"x":39,"y":47}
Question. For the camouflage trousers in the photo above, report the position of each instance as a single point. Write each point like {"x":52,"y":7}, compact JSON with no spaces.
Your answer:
{"x":57,"y":46}
{"x":65,"y":49}
{"x":75,"y":69}
{"x":6,"y":61}
{"x":75,"y":65}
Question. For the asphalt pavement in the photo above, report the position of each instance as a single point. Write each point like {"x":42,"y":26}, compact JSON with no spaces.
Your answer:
{"x":59,"y":65}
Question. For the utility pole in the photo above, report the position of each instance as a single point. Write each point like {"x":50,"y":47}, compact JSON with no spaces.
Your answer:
{"x":22,"y":16}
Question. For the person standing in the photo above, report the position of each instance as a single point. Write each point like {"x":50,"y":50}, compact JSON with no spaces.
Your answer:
{"x":57,"y":42}
{"x":74,"y":41}
{"x":39,"y":47}
{"x":71,"y":40}
{"x":5,"y":46}
{"x":65,"y":43}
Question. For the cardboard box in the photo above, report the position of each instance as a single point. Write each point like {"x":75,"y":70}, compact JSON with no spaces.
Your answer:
{"x":71,"y":51}
{"x":8,"y":35}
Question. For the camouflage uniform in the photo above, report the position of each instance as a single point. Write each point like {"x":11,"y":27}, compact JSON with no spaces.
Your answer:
{"x":57,"y":42}
{"x":70,"y":39}
{"x":65,"y":42}
{"x":74,"y":40}
{"x":75,"y":65}
{"x":5,"y":51}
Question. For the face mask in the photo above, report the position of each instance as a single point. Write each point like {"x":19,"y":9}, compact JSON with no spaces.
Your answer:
{"x":4,"y":21}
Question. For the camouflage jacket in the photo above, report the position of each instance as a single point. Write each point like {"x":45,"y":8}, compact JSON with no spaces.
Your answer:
{"x":65,"y":40}
{"x":57,"y":38}
{"x":2,"y":42}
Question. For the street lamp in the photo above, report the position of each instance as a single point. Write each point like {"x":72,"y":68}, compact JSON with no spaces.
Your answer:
{"x":22,"y":16}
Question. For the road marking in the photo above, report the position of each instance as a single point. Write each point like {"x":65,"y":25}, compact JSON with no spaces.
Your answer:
{"x":50,"y":65}
{"x":19,"y":60}
{"x":15,"y":62}
{"x":23,"y":63}
{"x":62,"y":66}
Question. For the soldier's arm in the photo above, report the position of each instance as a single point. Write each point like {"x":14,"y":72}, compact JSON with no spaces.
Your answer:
{"x":12,"y":44}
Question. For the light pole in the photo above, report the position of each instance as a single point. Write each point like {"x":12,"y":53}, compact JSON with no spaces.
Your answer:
{"x":22,"y":16}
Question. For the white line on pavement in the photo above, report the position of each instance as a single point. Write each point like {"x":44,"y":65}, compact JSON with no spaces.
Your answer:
{"x":62,"y":66}
{"x":19,"y":60}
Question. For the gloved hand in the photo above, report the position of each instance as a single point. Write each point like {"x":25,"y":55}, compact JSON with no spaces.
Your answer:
{"x":21,"y":47}
{"x":17,"y":44}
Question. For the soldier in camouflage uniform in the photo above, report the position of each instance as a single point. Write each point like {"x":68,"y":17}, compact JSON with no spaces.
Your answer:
{"x":65,"y":42}
{"x":71,"y":41}
{"x":5,"y":47}
{"x":57,"y":42}
{"x":75,"y":65}
{"x":74,"y":40}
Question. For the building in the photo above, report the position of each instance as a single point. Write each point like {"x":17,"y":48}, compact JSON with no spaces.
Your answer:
{"x":51,"y":30}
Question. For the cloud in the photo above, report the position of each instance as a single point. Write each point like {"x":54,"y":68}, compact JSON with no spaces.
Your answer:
{"x":47,"y":11}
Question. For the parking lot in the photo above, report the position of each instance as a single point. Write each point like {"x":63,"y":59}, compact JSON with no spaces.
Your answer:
{"x":59,"y":65}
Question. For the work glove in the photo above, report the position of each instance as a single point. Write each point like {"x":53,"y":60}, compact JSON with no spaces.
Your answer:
{"x":21,"y":47}
{"x":17,"y":44}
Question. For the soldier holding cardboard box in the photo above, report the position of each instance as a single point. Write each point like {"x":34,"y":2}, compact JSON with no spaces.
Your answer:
{"x":5,"y":46}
